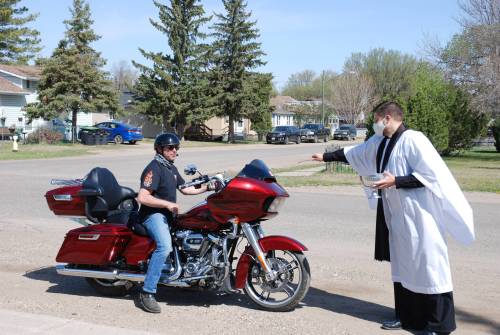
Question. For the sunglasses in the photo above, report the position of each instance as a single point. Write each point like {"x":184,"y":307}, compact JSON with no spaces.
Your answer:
{"x":172,"y":147}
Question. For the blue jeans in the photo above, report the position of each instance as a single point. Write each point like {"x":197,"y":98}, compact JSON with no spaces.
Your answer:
{"x":157,"y":227}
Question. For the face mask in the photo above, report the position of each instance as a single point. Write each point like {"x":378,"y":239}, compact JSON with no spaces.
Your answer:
{"x":379,"y":127}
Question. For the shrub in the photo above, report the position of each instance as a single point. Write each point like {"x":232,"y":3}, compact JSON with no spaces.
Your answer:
{"x":496,"y":133}
{"x":44,"y":135}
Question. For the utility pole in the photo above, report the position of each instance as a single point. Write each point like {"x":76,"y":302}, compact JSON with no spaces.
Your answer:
{"x":323,"y":97}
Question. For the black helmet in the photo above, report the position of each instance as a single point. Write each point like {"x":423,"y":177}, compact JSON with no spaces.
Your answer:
{"x":165,"y":139}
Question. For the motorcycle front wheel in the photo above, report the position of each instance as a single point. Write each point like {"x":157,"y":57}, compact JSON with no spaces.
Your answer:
{"x":288,"y":289}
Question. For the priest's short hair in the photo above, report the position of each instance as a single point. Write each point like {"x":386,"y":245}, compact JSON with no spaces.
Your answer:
{"x":389,"y":108}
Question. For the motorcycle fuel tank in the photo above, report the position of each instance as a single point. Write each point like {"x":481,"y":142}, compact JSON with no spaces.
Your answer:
{"x":198,"y":218}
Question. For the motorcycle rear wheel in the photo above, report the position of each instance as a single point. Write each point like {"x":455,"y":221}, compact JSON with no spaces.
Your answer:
{"x":288,"y":290}
{"x":109,"y":288}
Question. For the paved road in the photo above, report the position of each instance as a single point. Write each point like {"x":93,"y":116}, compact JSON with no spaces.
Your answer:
{"x":350,"y":293}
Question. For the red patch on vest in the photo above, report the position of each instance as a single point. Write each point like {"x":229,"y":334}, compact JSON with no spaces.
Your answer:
{"x":148,"y":179}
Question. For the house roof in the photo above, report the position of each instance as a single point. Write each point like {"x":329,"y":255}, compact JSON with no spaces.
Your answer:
{"x":280,"y":110}
{"x":22,"y":71}
{"x":281,"y":100}
{"x":7,"y":87}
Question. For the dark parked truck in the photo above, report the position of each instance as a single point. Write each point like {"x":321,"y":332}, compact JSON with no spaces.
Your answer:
{"x":283,"y":134}
{"x":345,"y":132}
{"x":314,"y":132}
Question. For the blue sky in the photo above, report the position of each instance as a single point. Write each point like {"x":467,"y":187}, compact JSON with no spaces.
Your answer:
{"x":295,"y":35}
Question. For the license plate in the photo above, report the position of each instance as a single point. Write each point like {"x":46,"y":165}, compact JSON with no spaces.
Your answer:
{"x":272,"y":138}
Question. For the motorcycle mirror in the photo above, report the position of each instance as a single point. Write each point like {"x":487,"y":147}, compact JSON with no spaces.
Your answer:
{"x":190,"y":170}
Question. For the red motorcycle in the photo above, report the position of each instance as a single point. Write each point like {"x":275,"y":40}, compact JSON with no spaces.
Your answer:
{"x":112,"y":251}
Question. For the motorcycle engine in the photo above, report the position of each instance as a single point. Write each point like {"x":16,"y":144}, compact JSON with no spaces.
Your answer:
{"x":195,"y":246}
{"x":192,"y":243}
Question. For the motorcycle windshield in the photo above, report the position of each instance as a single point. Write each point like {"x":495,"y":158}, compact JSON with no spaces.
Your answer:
{"x":257,"y":169}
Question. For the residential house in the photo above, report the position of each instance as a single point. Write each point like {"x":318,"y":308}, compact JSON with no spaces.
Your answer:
{"x":18,"y":87}
{"x":18,"y":84}
{"x":283,"y":114}
{"x":132,"y":117}
{"x":289,"y":111}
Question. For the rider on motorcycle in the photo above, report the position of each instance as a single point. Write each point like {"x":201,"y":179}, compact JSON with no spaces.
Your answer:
{"x":157,"y":196}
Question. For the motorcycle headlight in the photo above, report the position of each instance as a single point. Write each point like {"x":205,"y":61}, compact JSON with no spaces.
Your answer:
{"x":276,"y":205}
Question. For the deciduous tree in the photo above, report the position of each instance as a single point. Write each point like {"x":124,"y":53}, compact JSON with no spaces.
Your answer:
{"x":390,"y":71}
{"x":352,"y":96}
{"x":124,"y":76}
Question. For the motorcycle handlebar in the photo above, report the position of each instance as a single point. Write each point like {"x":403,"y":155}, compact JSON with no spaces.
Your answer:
{"x":198,"y":181}
{"x":205,"y":179}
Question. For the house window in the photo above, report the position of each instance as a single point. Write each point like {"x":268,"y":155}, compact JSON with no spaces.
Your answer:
{"x":27,"y":84}
{"x":240,"y":123}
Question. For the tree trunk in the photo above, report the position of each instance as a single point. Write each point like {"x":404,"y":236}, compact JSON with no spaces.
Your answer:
{"x":230,"y":135}
{"x":73,"y":125}
{"x":166,"y":126}
{"x":180,"y":129}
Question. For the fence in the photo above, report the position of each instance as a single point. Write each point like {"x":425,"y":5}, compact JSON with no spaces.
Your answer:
{"x":337,"y":167}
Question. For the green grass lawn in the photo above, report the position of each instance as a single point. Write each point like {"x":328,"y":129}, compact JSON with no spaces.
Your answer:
{"x":34,"y":151}
{"x":40,"y":151}
{"x":475,"y":170}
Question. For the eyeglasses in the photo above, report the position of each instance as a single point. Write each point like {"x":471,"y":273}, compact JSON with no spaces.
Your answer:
{"x":172,"y":147}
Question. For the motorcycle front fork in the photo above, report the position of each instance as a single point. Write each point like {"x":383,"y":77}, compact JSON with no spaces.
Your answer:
{"x":253,"y":235}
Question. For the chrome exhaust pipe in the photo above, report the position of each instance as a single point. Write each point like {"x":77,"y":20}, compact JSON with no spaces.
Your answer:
{"x":109,"y":275}
{"x":115,"y":275}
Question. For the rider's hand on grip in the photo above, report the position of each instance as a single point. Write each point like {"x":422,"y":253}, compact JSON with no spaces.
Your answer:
{"x":212,"y":185}
{"x":174,"y":208}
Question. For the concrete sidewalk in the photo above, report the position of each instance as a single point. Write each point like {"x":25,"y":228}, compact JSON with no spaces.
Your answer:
{"x":21,"y":323}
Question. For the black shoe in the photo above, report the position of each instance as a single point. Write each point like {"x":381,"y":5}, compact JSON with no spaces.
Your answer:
{"x":148,"y":302}
{"x":391,"y":324}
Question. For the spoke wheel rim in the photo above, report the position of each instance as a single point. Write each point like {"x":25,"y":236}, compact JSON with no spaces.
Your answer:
{"x":284,"y":289}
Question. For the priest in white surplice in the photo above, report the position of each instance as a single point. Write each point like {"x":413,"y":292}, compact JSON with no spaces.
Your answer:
{"x":420,"y":203}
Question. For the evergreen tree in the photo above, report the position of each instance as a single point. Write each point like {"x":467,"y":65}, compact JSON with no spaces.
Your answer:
{"x":236,"y":52}
{"x":72,"y":80}
{"x":18,"y":44}
{"x":175,"y":90}
{"x":464,"y":123}
{"x":258,"y":89}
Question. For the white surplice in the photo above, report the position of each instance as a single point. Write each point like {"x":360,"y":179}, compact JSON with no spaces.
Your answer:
{"x":418,"y":218}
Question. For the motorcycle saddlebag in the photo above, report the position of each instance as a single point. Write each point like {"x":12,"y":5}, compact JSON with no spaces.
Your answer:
{"x":66,"y":201}
{"x":99,"y":244}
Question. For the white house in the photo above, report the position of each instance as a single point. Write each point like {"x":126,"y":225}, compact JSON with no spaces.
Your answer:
{"x":18,"y":87}
{"x":282,"y":114}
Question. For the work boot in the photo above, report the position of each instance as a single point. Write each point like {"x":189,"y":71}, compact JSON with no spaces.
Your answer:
{"x":391,"y":324}
{"x":148,"y":302}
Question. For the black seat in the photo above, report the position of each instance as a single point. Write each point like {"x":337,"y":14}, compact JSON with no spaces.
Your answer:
{"x":105,"y":199}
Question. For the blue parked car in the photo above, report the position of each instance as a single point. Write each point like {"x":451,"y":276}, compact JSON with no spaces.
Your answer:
{"x":121,"y":132}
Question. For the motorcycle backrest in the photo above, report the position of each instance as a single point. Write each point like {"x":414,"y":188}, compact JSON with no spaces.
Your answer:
{"x":103,"y":194}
